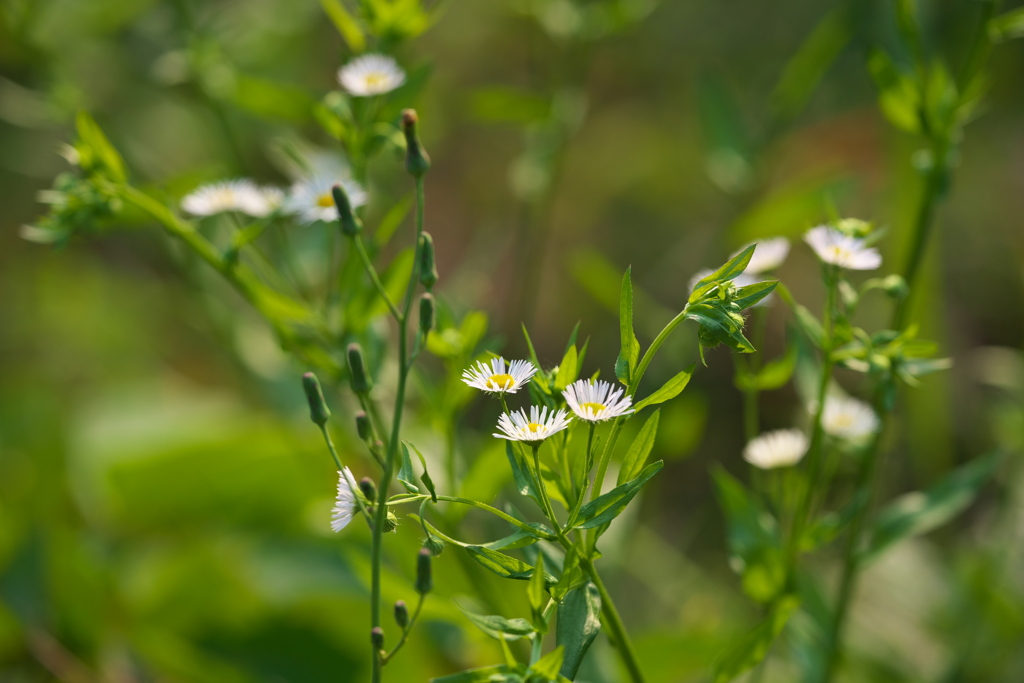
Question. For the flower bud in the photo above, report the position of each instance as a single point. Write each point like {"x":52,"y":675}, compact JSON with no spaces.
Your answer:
{"x":426,"y":313}
{"x":377,"y":638}
{"x":350,"y":223}
{"x":424,"y":573}
{"x":895,"y":286}
{"x":363,"y":428}
{"x":428,"y":269}
{"x":368,"y":489}
{"x":390,"y":522}
{"x":361,"y":383}
{"x":318,"y":411}
{"x":401,"y":614}
{"x":417,"y":161}
{"x":434,"y":545}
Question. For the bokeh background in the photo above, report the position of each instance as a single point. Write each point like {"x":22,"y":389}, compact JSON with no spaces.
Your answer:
{"x":163,"y":498}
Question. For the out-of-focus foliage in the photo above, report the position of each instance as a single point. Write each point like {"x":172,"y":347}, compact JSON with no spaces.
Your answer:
{"x":163,"y":504}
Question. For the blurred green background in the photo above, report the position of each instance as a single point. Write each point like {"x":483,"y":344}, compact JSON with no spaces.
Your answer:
{"x":163,"y":498}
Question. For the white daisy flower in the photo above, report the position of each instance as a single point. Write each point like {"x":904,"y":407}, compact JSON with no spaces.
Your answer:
{"x":769,"y":255}
{"x":540,"y":424}
{"x":779,"y":448}
{"x":345,"y":506}
{"x":848,"y":418}
{"x":496,"y":378}
{"x":312,"y":200}
{"x":841,"y":250}
{"x":597,"y":401}
{"x":371,"y":74}
{"x":232,"y":195}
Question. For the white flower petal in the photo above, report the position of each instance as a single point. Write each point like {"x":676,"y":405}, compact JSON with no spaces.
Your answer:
{"x":779,"y":448}
{"x":240,"y":195}
{"x":539,"y":425}
{"x":371,"y":74}
{"x":495,"y":377}
{"x":597,"y":401}
{"x":769,"y":255}
{"x":848,"y":418}
{"x":345,"y":505}
{"x":832,"y":246}
{"x":311,"y":198}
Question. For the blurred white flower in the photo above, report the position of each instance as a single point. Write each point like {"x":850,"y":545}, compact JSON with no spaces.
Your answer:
{"x":848,"y":418}
{"x":540,"y":424}
{"x":769,"y":255}
{"x":345,"y":505}
{"x":371,"y":74}
{"x":241,"y":195}
{"x":841,"y":250}
{"x":779,"y":448}
{"x":493,"y":377}
{"x":312,"y":200}
{"x":597,"y":401}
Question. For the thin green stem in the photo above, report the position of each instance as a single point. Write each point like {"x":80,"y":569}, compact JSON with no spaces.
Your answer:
{"x":613,"y":622}
{"x":396,"y":427}
{"x":406,"y":631}
{"x":374,"y":278}
{"x":543,"y":490}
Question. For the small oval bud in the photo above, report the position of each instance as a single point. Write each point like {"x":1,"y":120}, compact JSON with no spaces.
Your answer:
{"x":368,"y":489}
{"x":390,"y":522}
{"x":401,"y":614}
{"x":428,"y":269}
{"x":318,"y":411}
{"x":426,"y":313}
{"x":434,"y":545}
{"x":363,"y":428}
{"x":895,"y":286}
{"x":350,"y":223}
{"x":361,"y":383}
{"x":417,"y":161}
{"x":377,"y":638}
{"x":424,"y":572}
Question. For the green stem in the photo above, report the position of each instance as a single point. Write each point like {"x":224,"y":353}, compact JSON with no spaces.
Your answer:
{"x":396,"y":427}
{"x":613,"y":622}
{"x":374,"y":278}
{"x":406,"y":631}
{"x":851,"y":563}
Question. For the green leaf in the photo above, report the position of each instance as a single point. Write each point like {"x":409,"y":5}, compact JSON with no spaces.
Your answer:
{"x":773,"y":375}
{"x":549,"y":665}
{"x":406,"y":476}
{"x":567,"y":369}
{"x":486,"y":674}
{"x":745,"y":297}
{"x":629,"y":354}
{"x":579,"y":620}
{"x":497,"y":626}
{"x":668,"y":391}
{"x":806,"y":68}
{"x":501,"y":564}
{"x":345,"y":23}
{"x":535,"y":595}
{"x":919,"y":512}
{"x":733,"y":267}
{"x":754,"y":541}
{"x":425,"y":478}
{"x":520,"y":474}
{"x":1007,"y":26}
{"x":95,"y":151}
{"x":636,"y":456}
{"x":827,"y":528}
{"x":721,"y":325}
{"x":897,"y":95}
{"x":519,"y":539}
{"x":607,"y":507}
{"x":753,"y":648}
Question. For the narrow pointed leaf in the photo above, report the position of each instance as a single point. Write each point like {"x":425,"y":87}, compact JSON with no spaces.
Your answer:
{"x":733,"y":267}
{"x":579,"y":621}
{"x":607,"y":507}
{"x":635,"y":458}
{"x":668,"y":391}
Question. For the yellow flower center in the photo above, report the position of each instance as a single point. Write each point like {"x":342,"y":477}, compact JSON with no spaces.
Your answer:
{"x":375,"y":80}
{"x":842,"y":420}
{"x":839,"y":253}
{"x":534,"y":426}
{"x":325,"y":200}
{"x":596,"y":407}
{"x":504,"y":381}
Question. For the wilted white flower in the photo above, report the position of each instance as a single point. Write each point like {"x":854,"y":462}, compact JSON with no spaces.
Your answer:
{"x":779,"y":448}
{"x":597,"y":401}
{"x":232,"y":195}
{"x":371,"y":74}
{"x":312,"y":200}
{"x":769,"y":255}
{"x":848,"y":418}
{"x":540,"y":424}
{"x":841,"y":250}
{"x":495,"y":378}
{"x":345,"y":505}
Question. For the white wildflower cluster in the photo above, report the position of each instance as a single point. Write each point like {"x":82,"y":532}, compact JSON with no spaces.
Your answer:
{"x":590,"y":400}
